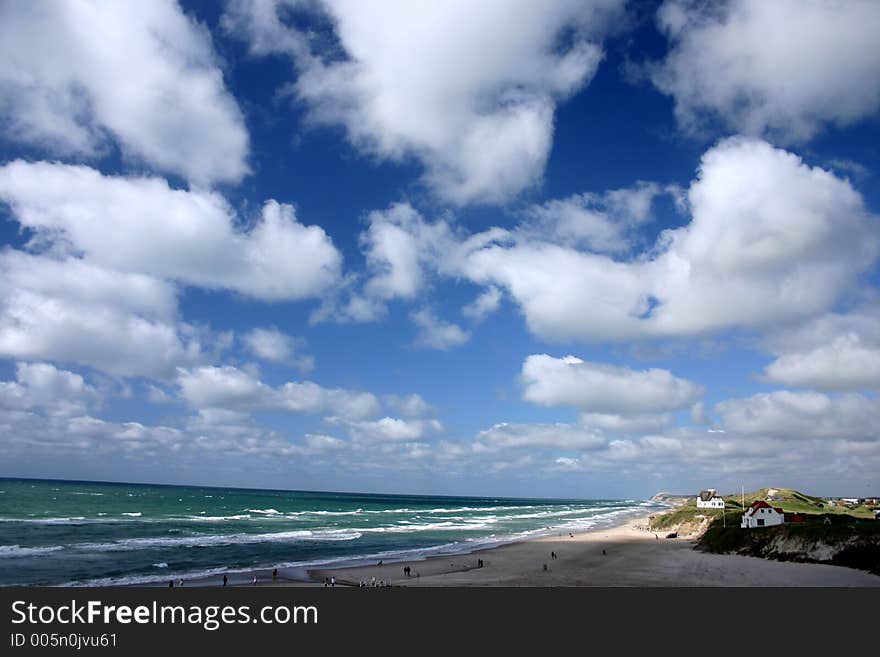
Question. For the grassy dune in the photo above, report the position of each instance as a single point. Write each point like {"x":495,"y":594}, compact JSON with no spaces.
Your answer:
{"x":849,"y":537}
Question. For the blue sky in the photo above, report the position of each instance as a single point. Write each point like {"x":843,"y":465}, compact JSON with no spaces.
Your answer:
{"x":587,"y":249}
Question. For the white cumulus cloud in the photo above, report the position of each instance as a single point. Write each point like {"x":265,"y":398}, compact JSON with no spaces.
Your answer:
{"x":559,"y":435}
{"x":785,"y":67}
{"x":233,"y":389}
{"x":834,"y":352}
{"x":436,"y":333}
{"x":70,"y":311}
{"x":802,"y":415}
{"x":141,"y":224}
{"x":41,"y":386}
{"x":603,"y":389}
{"x":275,"y":346}
{"x":469,"y":89}
{"x":76,"y":76}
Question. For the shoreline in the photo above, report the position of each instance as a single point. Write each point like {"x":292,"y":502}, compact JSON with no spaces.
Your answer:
{"x":436,"y":572}
{"x":626,"y":555}
{"x":312,"y":575}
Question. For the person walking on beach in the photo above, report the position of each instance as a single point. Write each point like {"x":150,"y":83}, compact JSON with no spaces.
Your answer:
{"x":180,"y":582}
{"x":225,"y":580}
{"x":274,"y":574}
{"x":373,"y":581}
{"x":170,"y":583}
{"x":333,"y":581}
{"x":255,"y":580}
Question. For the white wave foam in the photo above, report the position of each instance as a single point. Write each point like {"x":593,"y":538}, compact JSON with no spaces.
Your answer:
{"x":127,"y":544}
{"x":356,"y":512}
{"x":132,"y":580}
{"x":47,"y":521}
{"x":464,"y":546}
{"x":267,"y":512}
{"x":241,"y":516}
{"x":435,"y":511}
{"x":161,"y":564}
{"x":18,"y":551}
{"x":424,"y":527}
{"x":133,"y":514}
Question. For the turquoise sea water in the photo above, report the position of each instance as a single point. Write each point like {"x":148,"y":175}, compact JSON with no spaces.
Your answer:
{"x":85,"y":533}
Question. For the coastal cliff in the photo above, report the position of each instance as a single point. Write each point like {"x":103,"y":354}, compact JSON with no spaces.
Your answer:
{"x":823,"y":533}
{"x":842,"y":541}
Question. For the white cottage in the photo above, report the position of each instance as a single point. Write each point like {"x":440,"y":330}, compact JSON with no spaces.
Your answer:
{"x":761,"y":514}
{"x":709,"y":499}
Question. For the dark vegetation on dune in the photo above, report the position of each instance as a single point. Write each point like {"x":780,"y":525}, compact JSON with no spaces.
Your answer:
{"x":831,"y":535}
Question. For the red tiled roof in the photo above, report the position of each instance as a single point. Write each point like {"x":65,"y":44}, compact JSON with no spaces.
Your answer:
{"x":761,"y":504}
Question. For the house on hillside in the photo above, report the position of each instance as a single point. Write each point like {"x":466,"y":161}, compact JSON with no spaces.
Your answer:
{"x":709,"y":499}
{"x":761,"y":514}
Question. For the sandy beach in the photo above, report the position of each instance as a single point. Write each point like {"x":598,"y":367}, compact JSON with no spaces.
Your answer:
{"x":626,"y":555}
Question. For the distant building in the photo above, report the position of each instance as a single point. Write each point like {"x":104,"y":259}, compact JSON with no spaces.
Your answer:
{"x":709,"y":499}
{"x":851,"y":500}
{"x":761,"y":514}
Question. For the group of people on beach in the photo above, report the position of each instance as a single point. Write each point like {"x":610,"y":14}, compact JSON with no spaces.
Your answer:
{"x":380,"y":584}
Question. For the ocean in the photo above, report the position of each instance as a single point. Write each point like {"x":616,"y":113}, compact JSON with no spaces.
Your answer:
{"x":104,"y":534}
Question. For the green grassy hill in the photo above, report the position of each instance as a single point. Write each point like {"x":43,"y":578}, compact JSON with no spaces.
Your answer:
{"x":688,"y":519}
{"x":849,"y":536}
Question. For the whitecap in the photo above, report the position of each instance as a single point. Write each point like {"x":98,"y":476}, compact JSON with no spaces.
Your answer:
{"x":127,"y":544}
{"x":74,"y":520}
{"x":18,"y":551}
